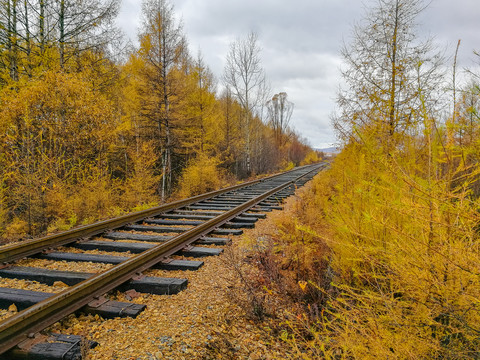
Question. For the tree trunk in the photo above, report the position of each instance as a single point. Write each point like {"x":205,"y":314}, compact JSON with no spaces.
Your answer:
{"x":41,"y":25}
{"x":28,"y":41}
{"x":12,"y":44}
{"x":62,"y":33}
{"x":392,"y":122}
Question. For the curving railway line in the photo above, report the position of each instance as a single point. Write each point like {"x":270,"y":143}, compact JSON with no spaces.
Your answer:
{"x":149,"y":238}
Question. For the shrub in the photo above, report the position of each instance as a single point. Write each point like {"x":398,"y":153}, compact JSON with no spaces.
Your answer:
{"x":312,"y":157}
{"x":140,"y":187}
{"x":201,"y":175}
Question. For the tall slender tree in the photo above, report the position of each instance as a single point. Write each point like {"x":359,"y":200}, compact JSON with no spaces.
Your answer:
{"x":385,"y":66}
{"x":162,"y":48}
{"x":245,"y":76}
{"x":83,"y":25}
{"x":279,"y":113}
{"x":200,"y":114}
{"x":9,"y":37}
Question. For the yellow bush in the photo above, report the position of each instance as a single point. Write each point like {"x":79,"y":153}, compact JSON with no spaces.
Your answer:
{"x":140,"y":188}
{"x":16,"y":229}
{"x":62,"y":224}
{"x":94,"y":196}
{"x":86,"y":197}
{"x":312,"y":157}
{"x":202,"y":174}
{"x":405,"y":254}
{"x":287,"y":165}
{"x":57,"y":129}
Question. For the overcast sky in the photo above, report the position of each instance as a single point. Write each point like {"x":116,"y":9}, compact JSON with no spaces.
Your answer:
{"x":300,"y":41}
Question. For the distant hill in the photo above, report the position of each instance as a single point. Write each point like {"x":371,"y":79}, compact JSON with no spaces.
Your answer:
{"x":332,"y":149}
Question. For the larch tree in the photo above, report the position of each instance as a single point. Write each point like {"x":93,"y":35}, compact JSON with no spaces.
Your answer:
{"x":245,"y":76}
{"x":45,"y":34}
{"x":230,"y":144}
{"x":9,"y":38}
{"x":162,"y":48}
{"x":83,"y":25}
{"x":389,"y":73}
{"x":203,"y":103}
{"x":196,"y":130}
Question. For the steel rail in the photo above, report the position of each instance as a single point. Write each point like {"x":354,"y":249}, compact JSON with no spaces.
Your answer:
{"x":16,"y":328}
{"x":14,"y":252}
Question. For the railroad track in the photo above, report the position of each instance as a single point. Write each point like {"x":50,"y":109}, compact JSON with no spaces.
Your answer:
{"x":153,"y":236}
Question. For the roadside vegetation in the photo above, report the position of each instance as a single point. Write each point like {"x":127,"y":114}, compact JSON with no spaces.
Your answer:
{"x":379,"y":258}
{"x":91,"y":126}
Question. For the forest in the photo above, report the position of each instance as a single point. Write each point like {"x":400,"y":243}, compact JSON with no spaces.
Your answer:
{"x":92,"y":126}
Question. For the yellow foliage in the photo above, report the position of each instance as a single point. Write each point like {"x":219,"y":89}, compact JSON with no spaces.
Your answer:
{"x":16,"y":229}
{"x":62,"y":224}
{"x":140,"y":187}
{"x":287,"y":165}
{"x":201,"y":175}
{"x":405,"y":251}
{"x":89,"y":196}
{"x":303,"y":284}
{"x":61,"y":162}
{"x":312,"y":157}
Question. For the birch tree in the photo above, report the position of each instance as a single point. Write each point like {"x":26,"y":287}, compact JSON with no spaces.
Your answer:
{"x":245,"y":76}
{"x":279,"y":113}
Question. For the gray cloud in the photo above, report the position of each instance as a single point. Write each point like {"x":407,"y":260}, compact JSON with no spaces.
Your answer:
{"x":300,"y":43}
{"x":129,"y":18}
